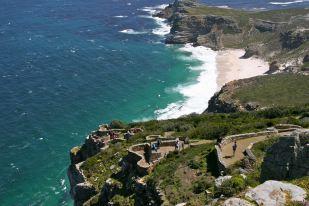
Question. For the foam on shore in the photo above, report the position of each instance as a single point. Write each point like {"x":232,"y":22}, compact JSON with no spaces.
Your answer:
{"x":196,"y":94}
{"x":288,"y":3}
{"x":164,"y":28}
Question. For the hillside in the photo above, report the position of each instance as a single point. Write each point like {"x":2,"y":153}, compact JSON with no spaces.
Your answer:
{"x":110,"y":174}
{"x":279,"y":35}
{"x":261,"y":92}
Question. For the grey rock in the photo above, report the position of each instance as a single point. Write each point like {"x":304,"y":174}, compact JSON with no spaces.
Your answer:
{"x":273,"y":193}
{"x":221,"y":179}
{"x":288,"y":158}
{"x":236,"y":202}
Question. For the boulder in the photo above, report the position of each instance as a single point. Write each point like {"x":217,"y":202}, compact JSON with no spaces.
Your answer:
{"x":252,"y":50}
{"x":274,"y":193}
{"x":221,"y":179}
{"x":287,"y":158}
{"x":265,"y":26}
{"x":273,"y":67}
{"x":293,"y":39}
{"x":236,"y":202}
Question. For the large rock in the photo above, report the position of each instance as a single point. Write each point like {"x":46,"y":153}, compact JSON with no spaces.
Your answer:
{"x":221,"y":179}
{"x":293,"y":39}
{"x":266,"y":26}
{"x":236,"y":202}
{"x":274,"y":193}
{"x":288,"y":158}
{"x":273,"y":67}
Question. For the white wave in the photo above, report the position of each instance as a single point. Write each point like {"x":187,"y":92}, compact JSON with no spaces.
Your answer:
{"x":132,"y":31}
{"x":164,"y":28}
{"x":196,"y":94}
{"x":224,"y":7}
{"x":289,"y":2}
{"x":120,"y":16}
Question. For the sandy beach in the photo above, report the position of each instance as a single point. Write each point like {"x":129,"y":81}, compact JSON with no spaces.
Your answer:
{"x":231,"y":67}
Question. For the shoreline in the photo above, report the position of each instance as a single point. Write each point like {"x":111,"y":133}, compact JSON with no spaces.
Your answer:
{"x":231,"y":67}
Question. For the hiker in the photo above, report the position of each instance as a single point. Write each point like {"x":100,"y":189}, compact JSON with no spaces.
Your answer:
{"x":234,"y":147}
{"x":153,"y":147}
{"x":176,"y":144}
{"x":158,"y":142}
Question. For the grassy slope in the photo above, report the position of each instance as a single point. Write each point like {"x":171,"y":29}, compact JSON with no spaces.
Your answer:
{"x":278,"y":90}
{"x":183,"y":176}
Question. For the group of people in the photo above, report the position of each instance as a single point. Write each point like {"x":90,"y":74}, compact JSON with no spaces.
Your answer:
{"x":234,"y":146}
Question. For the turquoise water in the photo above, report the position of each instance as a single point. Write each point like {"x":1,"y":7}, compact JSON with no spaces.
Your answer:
{"x":65,"y":67}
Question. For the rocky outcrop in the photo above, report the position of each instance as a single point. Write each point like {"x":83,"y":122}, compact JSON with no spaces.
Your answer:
{"x":201,"y":30}
{"x":83,"y":192}
{"x":236,"y":202}
{"x":275,"y":193}
{"x":252,"y":50}
{"x":273,"y":67}
{"x":293,"y":39}
{"x":288,"y":158}
{"x":266,"y":26}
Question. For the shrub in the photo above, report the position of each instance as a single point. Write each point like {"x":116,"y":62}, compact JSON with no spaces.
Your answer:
{"x":116,"y":124}
{"x":202,"y":184}
{"x":193,"y":164}
{"x":231,"y":186}
{"x":119,"y":200}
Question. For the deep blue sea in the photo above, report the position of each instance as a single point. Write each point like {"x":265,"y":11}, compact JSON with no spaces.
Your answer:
{"x":66,"y":66}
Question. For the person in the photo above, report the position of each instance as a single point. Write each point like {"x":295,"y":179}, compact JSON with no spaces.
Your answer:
{"x":234,"y":147}
{"x":158,"y":142}
{"x":176,"y":144}
{"x":153,"y":147}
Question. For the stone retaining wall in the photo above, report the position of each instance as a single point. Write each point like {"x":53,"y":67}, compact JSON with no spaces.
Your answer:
{"x":270,"y":131}
{"x":228,"y":139}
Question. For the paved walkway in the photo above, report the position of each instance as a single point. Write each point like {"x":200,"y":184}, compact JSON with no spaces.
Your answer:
{"x":227,"y":150}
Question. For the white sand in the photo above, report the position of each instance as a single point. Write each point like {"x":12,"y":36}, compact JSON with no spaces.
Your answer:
{"x":231,"y":67}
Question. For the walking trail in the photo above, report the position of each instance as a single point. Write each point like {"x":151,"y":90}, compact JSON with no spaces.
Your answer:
{"x":242,"y":144}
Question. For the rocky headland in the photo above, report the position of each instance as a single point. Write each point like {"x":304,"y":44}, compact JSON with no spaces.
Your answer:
{"x":175,"y":162}
{"x":277,"y":36}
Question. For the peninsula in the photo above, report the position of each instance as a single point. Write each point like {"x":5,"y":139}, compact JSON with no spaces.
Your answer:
{"x":250,"y":146}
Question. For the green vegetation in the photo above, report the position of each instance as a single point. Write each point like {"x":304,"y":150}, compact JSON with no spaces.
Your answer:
{"x":231,"y":187}
{"x":188,"y":176}
{"x":184,"y":176}
{"x":211,"y":126}
{"x":274,"y":90}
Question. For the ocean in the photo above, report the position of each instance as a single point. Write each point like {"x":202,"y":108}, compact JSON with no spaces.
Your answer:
{"x":66,"y":66}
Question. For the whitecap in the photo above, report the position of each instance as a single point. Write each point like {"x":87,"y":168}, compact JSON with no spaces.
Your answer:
{"x":287,"y":3}
{"x":196,"y":94}
{"x":120,"y":16}
{"x":132,"y":31}
{"x":164,"y":28}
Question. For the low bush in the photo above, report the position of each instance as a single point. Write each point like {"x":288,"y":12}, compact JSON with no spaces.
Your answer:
{"x":231,"y":187}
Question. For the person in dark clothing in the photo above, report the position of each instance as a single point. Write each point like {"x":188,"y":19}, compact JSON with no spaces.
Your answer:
{"x":234,"y":148}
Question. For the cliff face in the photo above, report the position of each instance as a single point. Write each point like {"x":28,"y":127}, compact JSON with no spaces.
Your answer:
{"x":272,"y":35}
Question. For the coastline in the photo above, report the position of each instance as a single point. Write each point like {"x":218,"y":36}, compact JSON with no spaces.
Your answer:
{"x":230,"y":66}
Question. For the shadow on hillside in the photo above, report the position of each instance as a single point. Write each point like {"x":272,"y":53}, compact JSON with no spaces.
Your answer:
{"x":212,"y":166}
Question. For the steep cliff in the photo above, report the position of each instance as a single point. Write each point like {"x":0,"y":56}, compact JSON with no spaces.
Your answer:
{"x":280,"y":35}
